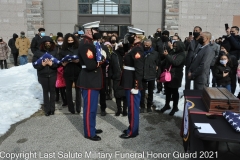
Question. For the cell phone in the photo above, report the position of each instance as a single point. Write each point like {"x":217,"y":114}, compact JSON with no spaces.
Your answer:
{"x":190,"y":33}
{"x":226,"y":71}
{"x":164,"y":47}
{"x":226,"y":26}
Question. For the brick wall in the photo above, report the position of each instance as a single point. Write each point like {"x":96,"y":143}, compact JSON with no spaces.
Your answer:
{"x":34,"y":14}
{"x":172,"y":16}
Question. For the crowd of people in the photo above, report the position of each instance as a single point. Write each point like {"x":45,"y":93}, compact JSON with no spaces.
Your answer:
{"x":96,"y":64}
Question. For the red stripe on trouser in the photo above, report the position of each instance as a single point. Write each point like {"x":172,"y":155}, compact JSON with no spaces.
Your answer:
{"x":88,"y":113}
{"x":132,"y":112}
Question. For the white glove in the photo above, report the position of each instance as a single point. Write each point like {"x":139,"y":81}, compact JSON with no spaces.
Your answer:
{"x":134,"y":91}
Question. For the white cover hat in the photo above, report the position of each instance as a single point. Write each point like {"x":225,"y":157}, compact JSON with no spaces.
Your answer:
{"x":91,"y":25}
{"x":136,"y":30}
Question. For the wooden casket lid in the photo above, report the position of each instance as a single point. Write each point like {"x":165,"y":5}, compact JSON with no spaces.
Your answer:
{"x":220,"y":94}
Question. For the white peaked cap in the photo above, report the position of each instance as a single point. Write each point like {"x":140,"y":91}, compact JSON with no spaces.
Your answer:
{"x":135,"y":30}
{"x":91,"y":25}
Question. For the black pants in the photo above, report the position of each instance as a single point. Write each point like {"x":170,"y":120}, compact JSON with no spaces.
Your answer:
{"x":15,"y":58}
{"x":172,"y":92}
{"x":214,"y":82}
{"x":159,"y":86}
{"x":63,"y":94}
{"x":119,"y":103}
{"x":102,"y":93}
{"x":147,"y":85}
{"x":69,"y":83}
{"x":5,"y":63}
{"x":103,"y":104}
{"x":233,"y":82}
{"x":108,"y":88}
{"x":48,"y":86}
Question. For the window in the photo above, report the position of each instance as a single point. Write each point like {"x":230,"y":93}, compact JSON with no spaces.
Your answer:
{"x":104,"y":7}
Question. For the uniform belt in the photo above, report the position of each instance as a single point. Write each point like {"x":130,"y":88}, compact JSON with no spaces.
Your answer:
{"x":84,"y":66}
{"x":129,"y":68}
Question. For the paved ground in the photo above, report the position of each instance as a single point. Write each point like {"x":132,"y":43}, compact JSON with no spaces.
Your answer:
{"x":61,"y":137}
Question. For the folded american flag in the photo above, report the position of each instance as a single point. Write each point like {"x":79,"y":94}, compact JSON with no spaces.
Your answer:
{"x":233,"y":119}
{"x":98,"y":52}
{"x":69,"y":58}
{"x":46,"y":56}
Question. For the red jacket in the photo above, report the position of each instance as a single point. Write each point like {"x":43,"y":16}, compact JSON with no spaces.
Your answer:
{"x":60,"y":80}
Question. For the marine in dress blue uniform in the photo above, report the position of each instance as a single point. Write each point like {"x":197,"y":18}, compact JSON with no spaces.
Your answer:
{"x":90,"y":80}
{"x":132,"y":80}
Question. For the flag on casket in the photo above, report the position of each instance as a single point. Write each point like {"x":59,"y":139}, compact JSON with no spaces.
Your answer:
{"x":233,"y":119}
{"x":185,"y":125}
{"x":69,"y":58}
{"x":46,"y":56}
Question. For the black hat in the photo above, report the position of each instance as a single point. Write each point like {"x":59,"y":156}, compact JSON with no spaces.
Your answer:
{"x":59,"y":34}
{"x":41,"y":29}
{"x":46,"y":39}
{"x":22,"y":32}
{"x":165,"y":33}
{"x":226,"y":45}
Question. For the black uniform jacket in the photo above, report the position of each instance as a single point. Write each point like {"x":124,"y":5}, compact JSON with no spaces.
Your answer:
{"x":45,"y":71}
{"x":91,"y":76}
{"x":134,"y":58}
{"x":71,"y":70}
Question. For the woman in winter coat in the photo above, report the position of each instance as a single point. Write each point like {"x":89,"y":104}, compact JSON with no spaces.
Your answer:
{"x":3,"y":53}
{"x":60,"y":83}
{"x":71,"y":70}
{"x":222,"y":71}
{"x":47,"y":73}
{"x":174,"y":59}
{"x":115,"y":73}
{"x":14,"y":50}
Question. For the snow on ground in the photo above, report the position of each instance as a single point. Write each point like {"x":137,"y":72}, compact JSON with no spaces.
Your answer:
{"x":21,"y":96}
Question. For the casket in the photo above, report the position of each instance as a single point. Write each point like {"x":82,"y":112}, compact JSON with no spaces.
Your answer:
{"x":218,"y":100}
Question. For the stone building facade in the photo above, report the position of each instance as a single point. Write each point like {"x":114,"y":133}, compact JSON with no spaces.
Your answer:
{"x":177,"y":16}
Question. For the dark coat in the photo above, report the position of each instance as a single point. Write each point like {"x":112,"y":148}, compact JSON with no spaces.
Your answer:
{"x":235,"y":45}
{"x":11,"y":44}
{"x":216,"y":48}
{"x":218,"y":74}
{"x":91,"y":76}
{"x":151,"y":61}
{"x":35,"y":44}
{"x":193,"y":48}
{"x":200,"y":66}
{"x":176,"y":60}
{"x":71,"y":70}
{"x":45,"y":71}
{"x":115,"y":71}
{"x":134,"y":58}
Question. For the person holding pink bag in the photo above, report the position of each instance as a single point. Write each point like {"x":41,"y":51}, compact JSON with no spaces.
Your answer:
{"x":175,"y":60}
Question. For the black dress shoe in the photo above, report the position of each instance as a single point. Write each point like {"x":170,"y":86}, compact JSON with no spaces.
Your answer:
{"x":98,"y":131}
{"x":125,"y":136}
{"x":173,"y":111}
{"x":124,"y":113}
{"x":95,"y":138}
{"x":103,"y":113}
{"x":64,"y":104}
{"x":125,"y":131}
{"x":52,"y":112}
{"x":48,"y":114}
{"x":166,"y":107}
{"x":72,"y":112}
